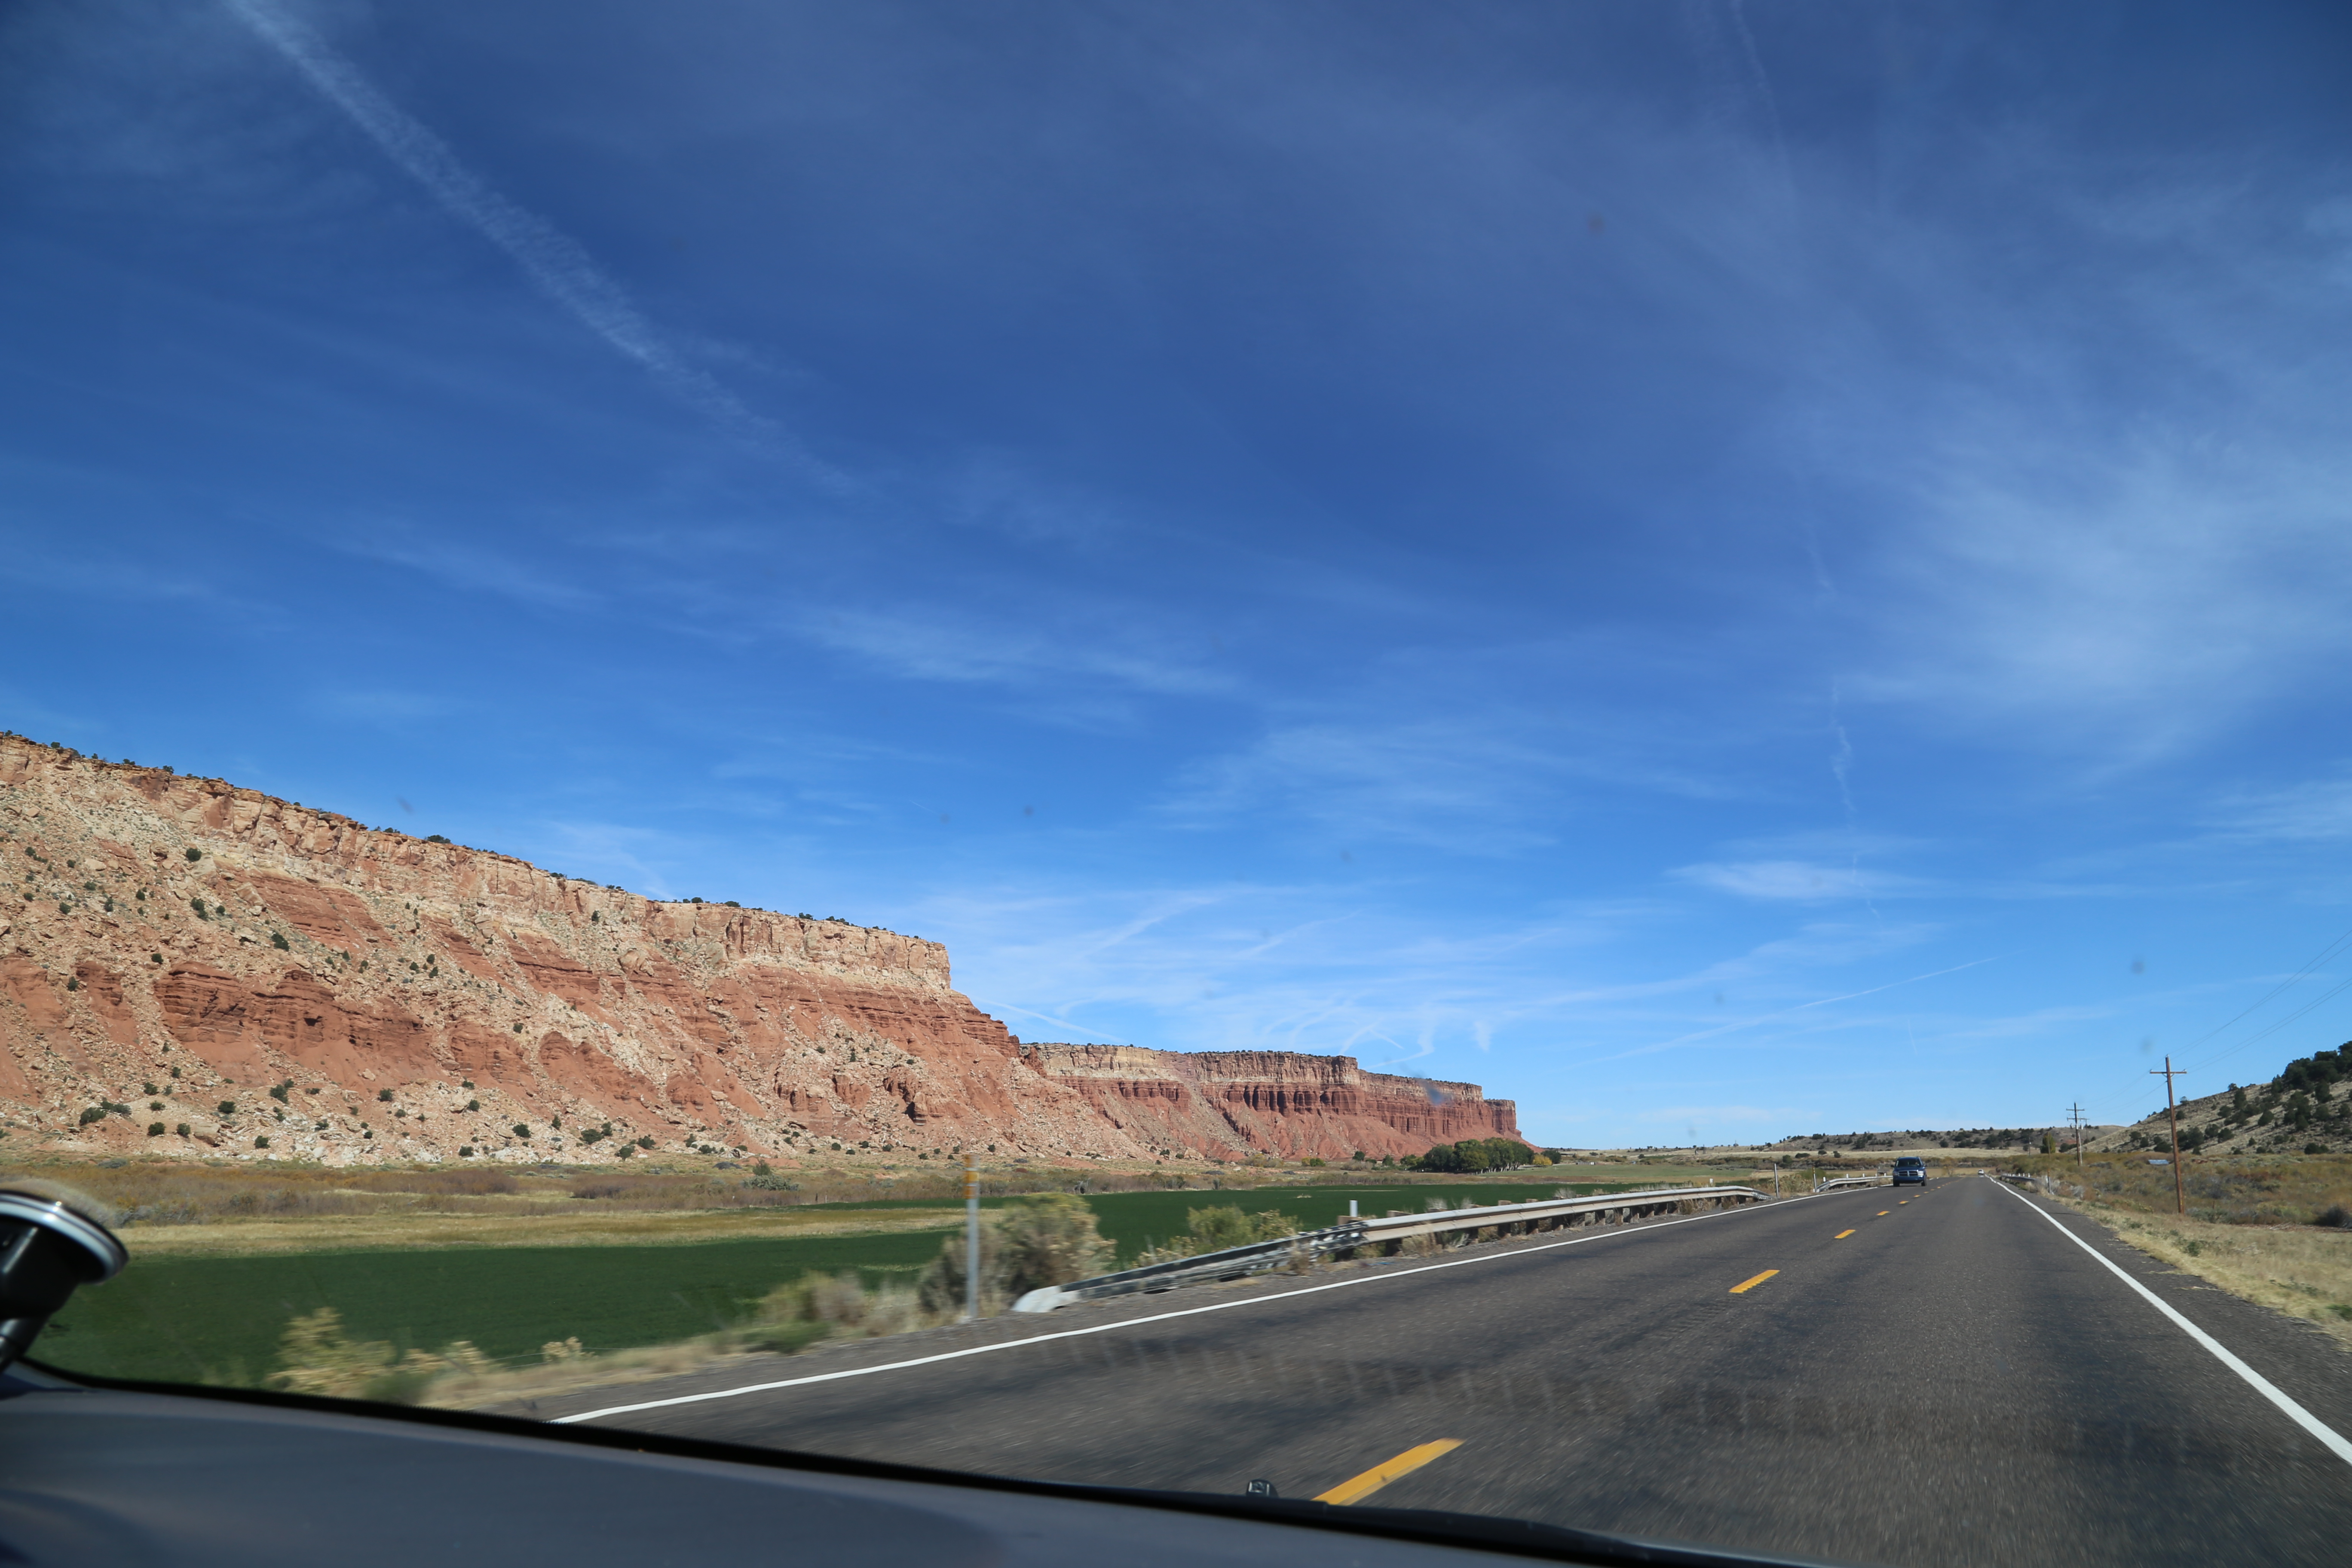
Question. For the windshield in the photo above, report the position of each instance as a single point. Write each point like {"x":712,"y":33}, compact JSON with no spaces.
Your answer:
{"x":1235,"y":749}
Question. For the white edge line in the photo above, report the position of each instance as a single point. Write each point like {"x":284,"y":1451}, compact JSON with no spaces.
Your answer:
{"x":1160,"y":1317}
{"x":2260,"y":1385}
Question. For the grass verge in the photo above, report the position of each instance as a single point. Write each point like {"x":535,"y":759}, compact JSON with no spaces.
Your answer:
{"x":2299,"y":1270}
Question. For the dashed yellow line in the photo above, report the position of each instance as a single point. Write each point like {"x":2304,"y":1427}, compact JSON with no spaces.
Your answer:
{"x":1360,"y":1487}
{"x":1842,"y":1236}
{"x":1884,"y":1212}
{"x":1746,"y":1285}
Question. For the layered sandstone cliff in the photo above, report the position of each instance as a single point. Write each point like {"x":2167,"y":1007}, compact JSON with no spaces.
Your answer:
{"x":258,"y":978}
{"x":1282,"y":1101}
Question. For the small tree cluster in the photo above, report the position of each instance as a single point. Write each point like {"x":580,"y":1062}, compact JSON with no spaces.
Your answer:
{"x":1474,"y":1154}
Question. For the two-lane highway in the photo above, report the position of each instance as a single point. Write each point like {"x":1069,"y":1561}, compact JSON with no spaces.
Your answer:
{"x":1938,"y":1377}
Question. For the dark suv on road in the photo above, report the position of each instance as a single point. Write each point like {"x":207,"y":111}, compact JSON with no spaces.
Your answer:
{"x":1910,"y":1168}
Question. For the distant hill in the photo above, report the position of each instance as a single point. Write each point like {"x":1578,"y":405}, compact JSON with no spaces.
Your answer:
{"x":1986,"y":1140}
{"x":2307,"y":1108}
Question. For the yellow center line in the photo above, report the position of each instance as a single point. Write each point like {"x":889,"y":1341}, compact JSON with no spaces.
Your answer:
{"x":1842,"y":1236}
{"x":1884,"y":1212}
{"x":1381,"y":1475}
{"x":1746,"y":1285}
{"x":1900,"y":1202}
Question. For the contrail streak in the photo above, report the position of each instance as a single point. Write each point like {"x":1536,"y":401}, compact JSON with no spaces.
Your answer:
{"x":1783,"y":1013}
{"x":1057,"y":1022}
{"x":554,"y":262}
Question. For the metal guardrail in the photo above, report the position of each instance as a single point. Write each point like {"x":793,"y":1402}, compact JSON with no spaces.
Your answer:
{"x":1349,"y":1234}
{"x":1836,"y":1183}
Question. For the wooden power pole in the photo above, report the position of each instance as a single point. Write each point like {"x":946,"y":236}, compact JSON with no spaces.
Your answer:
{"x":2075,"y":1115}
{"x":2172,"y":1112}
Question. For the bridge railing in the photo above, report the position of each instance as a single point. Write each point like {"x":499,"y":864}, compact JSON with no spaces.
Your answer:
{"x":1352,"y":1234}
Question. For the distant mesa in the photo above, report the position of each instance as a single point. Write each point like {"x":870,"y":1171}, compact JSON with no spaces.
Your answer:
{"x":203,"y":970}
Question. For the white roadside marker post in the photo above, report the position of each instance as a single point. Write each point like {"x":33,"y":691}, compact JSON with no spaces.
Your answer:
{"x":971,"y":1236}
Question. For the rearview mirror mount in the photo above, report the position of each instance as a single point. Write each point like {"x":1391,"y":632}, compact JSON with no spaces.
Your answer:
{"x":53,"y":1240}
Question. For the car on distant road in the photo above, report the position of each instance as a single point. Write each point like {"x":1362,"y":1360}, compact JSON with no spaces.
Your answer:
{"x":1910,"y":1168}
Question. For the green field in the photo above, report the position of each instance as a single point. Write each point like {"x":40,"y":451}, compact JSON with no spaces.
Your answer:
{"x":219,"y":1319}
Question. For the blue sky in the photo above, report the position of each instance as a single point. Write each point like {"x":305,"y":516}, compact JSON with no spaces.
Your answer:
{"x":1720,"y":570}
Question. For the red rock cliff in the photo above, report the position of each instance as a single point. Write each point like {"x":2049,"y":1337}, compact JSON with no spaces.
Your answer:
{"x":352,"y":996}
{"x":1280,"y":1101}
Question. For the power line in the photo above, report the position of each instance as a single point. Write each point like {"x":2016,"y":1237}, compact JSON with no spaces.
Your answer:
{"x":2310,"y":967}
{"x":2283,"y":1023}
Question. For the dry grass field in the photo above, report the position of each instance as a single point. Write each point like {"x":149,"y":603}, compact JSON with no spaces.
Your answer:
{"x":192,"y":1210}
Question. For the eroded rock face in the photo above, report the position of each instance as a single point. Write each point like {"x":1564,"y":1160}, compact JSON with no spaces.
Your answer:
{"x":1281,"y":1102}
{"x":359,"y":996}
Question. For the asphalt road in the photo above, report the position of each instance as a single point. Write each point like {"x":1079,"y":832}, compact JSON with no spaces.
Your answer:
{"x":1948,"y":1380}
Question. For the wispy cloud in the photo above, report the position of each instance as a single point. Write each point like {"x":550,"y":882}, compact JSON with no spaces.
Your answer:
{"x":2317,"y":810}
{"x":2070,"y":549}
{"x":641,"y":859}
{"x":1483,"y":780}
{"x":557,"y":264}
{"x":1781,"y":1015}
{"x":1084,"y":648}
{"x":2133,"y":586}
{"x":1799,"y":880}
{"x":472,"y":568}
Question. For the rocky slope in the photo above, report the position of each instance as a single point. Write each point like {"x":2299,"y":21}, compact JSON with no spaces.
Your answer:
{"x":253,"y":977}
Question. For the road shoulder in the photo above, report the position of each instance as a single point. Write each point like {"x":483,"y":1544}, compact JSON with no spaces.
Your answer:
{"x":2300,"y":1358}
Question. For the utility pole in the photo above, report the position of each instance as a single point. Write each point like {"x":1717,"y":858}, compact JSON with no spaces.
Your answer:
{"x":971,"y":1232}
{"x":2074,"y":1114}
{"x":2172,"y":1112}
